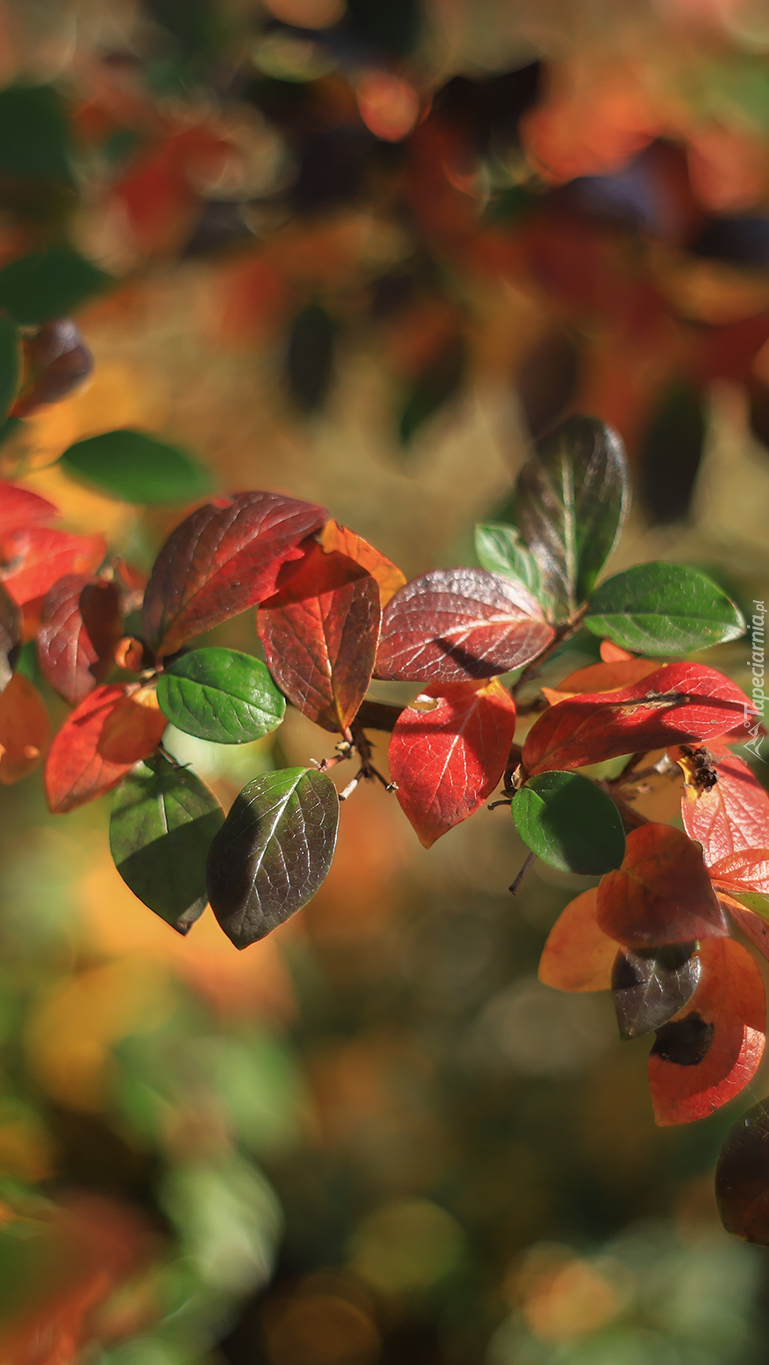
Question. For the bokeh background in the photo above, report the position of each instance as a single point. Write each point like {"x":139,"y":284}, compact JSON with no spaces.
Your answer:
{"x":364,"y":251}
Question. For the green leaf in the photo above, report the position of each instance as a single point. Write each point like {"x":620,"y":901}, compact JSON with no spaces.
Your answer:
{"x":499,"y":550}
{"x":752,"y":900}
{"x":37,"y":289}
{"x":310,"y":360}
{"x":663,"y":608}
{"x":273,"y":853}
{"x":220,"y":695}
{"x":569,"y":823}
{"x":439,"y":381}
{"x":10,"y":365}
{"x":163,"y":820}
{"x":570,"y":503}
{"x":34,"y":135}
{"x":136,"y":467}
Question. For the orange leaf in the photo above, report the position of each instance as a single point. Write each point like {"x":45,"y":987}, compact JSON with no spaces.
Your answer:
{"x":709,"y":1052}
{"x":732,"y":815}
{"x":611,"y":653}
{"x":104,"y":736}
{"x":336,"y":537}
{"x":752,"y":925}
{"x":606,"y":677}
{"x":745,"y":870}
{"x":25,"y":730}
{"x":578,"y":956}
{"x":661,"y":893}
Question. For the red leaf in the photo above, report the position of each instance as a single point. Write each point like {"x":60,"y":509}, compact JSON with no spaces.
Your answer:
{"x":676,"y":704}
{"x":34,"y":559}
{"x":25,"y":729}
{"x":454,"y":624}
{"x":661,"y":893}
{"x":709,"y":1053}
{"x":611,"y":653}
{"x":606,"y":677}
{"x":320,"y":635}
{"x":81,"y":623}
{"x":578,"y":956}
{"x":745,"y":870}
{"x":336,"y":537}
{"x":448,"y":760}
{"x":20,"y":507}
{"x":732,"y":815}
{"x":104,"y":736}
{"x":752,"y":925}
{"x":223,"y":558}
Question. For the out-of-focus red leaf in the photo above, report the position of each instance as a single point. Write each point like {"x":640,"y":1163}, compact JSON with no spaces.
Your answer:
{"x":661,"y":893}
{"x":20,"y":507}
{"x":25,"y":730}
{"x":452,"y":625}
{"x":80,"y":625}
{"x":611,"y":653}
{"x":320,"y":634}
{"x":10,"y":634}
{"x":336,"y":537}
{"x":676,"y":704}
{"x":605,"y":677}
{"x":448,"y":760}
{"x":710,"y":1052}
{"x":578,"y":955}
{"x":32,"y":560}
{"x":730,"y":816}
{"x":56,"y":361}
{"x":223,"y":558}
{"x":104,"y":736}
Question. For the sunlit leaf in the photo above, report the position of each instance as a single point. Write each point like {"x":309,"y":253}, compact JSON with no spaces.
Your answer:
{"x":336,"y":537}
{"x":663,"y":609}
{"x":20,"y":508}
{"x":603,"y":677}
{"x":578,"y":956}
{"x":273,"y":852}
{"x":136,"y":467}
{"x":729,"y":816}
{"x":220,"y":695}
{"x":39,"y":288}
{"x":652,"y":985}
{"x":569,"y":823}
{"x":223,"y":558}
{"x":753,"y":926}
{"x":25,"y":729}
{"x":499,"y":550}
{"x":707,"y":1056}
{"x":105,"y":735}
{"x":742,"y":1176}
{"x":320,"y":636}
{"x":163,"y":820}
{"x":80,"y":624}
{"x":661,"y":893}
{"x":744,"y":875}
{"x":32,"y":560}
{"x":448,"y":760}
{"x":452,"y":625}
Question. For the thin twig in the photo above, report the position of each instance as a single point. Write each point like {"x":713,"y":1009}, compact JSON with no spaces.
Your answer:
{"x":516,"y":884}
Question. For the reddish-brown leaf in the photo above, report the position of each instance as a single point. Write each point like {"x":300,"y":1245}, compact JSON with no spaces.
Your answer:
{"x":25,"y":730}
{"x":336,"y":537}
{"x":448,"y":760}
{"x":32,"y":560}
{"x":661,"y":893}
{"x":20,"y":507}
{"x":320,"y":634}
{"x":606,"y":677}
{"x":223,"y":558}
{"x":104,"y":736}
{"x":80,"y":625}
{"x":730,"y":816}
{"x":578,"y":955}
{"x":709,"y":1052}
{"x":452,"y":625}
{"x":676,"y":704}
{"x":56,"y":361}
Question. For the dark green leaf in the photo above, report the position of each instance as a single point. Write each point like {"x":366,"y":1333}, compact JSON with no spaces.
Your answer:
{"x":136,"y":467}
{"x":34,"y":139}
{"x":499,"y":550}
{"x":220,"y":695}
{"x":163,"y":821}
{"x":650,"y":986}
{"x":438,"y":382}
{"x":569,"y":823}
{"x":273,"y":853}
{"x":742,"y":1176}
{"x":671,"y":451}
{"x":663,"y":608}
{"x":311,"y":357}
{"x":37,"y":289}
{"x":10,"y":365}
{"x":570,"y":502}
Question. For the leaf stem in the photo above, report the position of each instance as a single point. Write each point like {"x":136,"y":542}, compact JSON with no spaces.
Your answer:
{"x":563,"y":632}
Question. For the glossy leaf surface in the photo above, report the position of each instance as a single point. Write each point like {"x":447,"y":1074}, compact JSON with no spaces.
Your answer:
{"x":163,"y":820}
{"x":21,"y":508}
{"x":33,"y":560}
{"x":220,"y":695}
{"x":336,"y":537}
{"x":706,"y":1057}
{"x":273,"y":851}
{"x":452,"y":625}
{"x":448,"y":760}
{"x":80,"y":625}
{"x":730,"y":816}
{"x":578,"y":955}
{"x":320,"y":636}
{"x":742,"y":1176}
{"x":10,"y":364}
{"x":649,"y":987}
{"x":570,"y":502}
{"x":661,"y":893}
{"x":569,"y":823}
{"x":663,"y":609}
{"x":40,"y":288}
{"x":10,"y":634}
{"x":223,"y":558}
{"x":103,"y":737}
{"x":136,"y":468}
{"x":500,"y":550}
{"x":676,"y":704}
{"x":25,"y":729}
